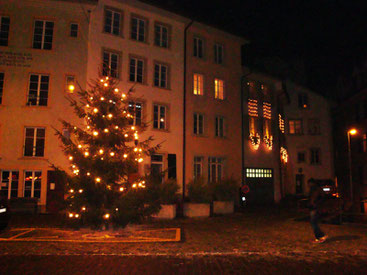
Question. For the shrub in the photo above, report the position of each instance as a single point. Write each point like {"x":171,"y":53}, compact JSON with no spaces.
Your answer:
{"x":168,"y":192}
{"x":225,"y":190}
{"x":198,"y":191}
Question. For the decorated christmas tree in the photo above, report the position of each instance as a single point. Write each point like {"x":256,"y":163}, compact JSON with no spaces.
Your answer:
{"x":104,"y":186}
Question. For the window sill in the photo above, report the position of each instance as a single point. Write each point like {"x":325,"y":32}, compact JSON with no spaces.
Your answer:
{"x":35,"y":107}
{"x":143,"y":42}
{"x":160,"y":47}
{"x":114,"y":35}
{"x":162,"y":88}
{"x":137,"y":83}
{"x":33,"y":158}
{"x":161,"y":130}
{"x":200,"y":136}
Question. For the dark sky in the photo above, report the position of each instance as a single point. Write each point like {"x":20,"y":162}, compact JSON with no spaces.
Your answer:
{"x":325,"y":39}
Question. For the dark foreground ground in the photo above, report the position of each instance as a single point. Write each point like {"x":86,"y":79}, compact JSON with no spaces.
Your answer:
{"x":259,"y":241}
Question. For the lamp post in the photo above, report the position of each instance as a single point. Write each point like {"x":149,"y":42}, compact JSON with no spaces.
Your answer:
{"x":351,"y":132}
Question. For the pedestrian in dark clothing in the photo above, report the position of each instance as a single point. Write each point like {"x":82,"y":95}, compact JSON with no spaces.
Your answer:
{"x":316,"y":199}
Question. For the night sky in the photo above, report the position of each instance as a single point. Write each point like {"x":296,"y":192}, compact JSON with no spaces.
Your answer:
{"x":315,"y":41}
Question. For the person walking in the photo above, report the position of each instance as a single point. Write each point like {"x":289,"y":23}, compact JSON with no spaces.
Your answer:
{"x":315,"y":202}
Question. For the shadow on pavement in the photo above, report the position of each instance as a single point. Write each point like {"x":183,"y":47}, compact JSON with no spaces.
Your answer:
{"x":343,"y":238}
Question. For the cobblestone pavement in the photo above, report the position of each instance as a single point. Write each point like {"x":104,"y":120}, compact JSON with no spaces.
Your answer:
{"x":262,"y":242}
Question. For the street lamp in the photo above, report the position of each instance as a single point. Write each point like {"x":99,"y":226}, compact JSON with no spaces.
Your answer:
{"x":351,"y":132}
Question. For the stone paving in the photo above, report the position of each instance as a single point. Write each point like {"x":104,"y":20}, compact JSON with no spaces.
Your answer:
{"x":261,"y":241}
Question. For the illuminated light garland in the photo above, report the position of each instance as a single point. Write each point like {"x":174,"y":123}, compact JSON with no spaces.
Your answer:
{"x":98,"y":179}
{"x":116,"y":209}
{"x":88,"y":127}
{"x":281,"y":123}
{"x":86,"y":154}
{"x":95,"y":133}
{"x":105,"y":84}
{"x":76,"y":215}
{"x":88,"y":174}
{"x":71,"y":191}
{"x":284,"y":154}
{"x":122,"y":189}
{"x":95,"y":110}
{"x":255,"y":140}
{"x":116,"y":127}
{"x":71,"y":215}
{"x":70,"y":158}
{"x":112,"y":154}
{"x":106,"y":216}
{"x":106,"y":130}
{"x":125,"y":156}
{"x":84,"y":208}
{"x":79,"y":146}
{"x":268,"y":140}
{"x":267,"y":110}
{"x":252,"y":108}
{"x":101,"y":151}
{"x":116,"y":90}
{"x":81,"y":191}
{"x":140,"y":160}
{"x":102,"y":98}
{"x":110,"y":115}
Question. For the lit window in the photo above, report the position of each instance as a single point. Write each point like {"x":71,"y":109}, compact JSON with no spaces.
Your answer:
{"x":32,"y":184}
{"x":198,"y":84}
{"x":198,"y":124}
{"x":110,"y":65}
{"x":219,"y":127}
{"x":198,"y":167}
{"x":161,"y":36}
{"x":267,"y":110}
{"x":281,"y":123}
{"x":4,"y":30}
{"x":112,"y":22}
{"x":160,"y":75}
{"x":218,"y":54}
{"x":38,"y":90}
{"x":215,"y":169}
{"x":198,"y":47}
{"x":43,"y":34}
{"x":295,"y":127}
{"x":34,"y":142}
{"x":136,"y":70}
{"x":259,"y":173}
{"x":159,"y":117}
{"x":135,"y":109}
{"x":9,"y":184}
{"x":74,"y":30}
{"x":138,"y":29}
{"x":219,"y":88}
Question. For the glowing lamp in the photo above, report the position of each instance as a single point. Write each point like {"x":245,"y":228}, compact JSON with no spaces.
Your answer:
{"x":102,"y":98}
{"x":95,"y":133}
{"x":76,"y":215}
{"x":71,"y":190}
{"x":106,"y":130}
{"x":125,"y":156}
{"x":98,"y":179}
{"x":71,"y":215}
{"x":121,"y":189}
{"x":106,"y":216}
{"x":84,"y":208}
{"x":112,"y":154}
{"x":70,"y":158}
{"x":86,"y":154}
{"x":80,"y":191}
{"x":116,"y":90}
{"x":352,"y":132}
{"x":71,"y":88}
{"x":95,"y":110}
{"x":101,"y":151}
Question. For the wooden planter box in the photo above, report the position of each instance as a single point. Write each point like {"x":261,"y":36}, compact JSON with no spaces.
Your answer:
{"x":223,"y":207}
{"x":196,"y":210}
{"x":168,"y":211}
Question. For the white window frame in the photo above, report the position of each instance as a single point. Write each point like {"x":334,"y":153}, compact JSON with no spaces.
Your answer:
{"x":33,"y":180}
{"x":197,"y":125}
{"x":39,"y":82}
{"x":43,"y":42}
{"x":107,"y":68}
{"x":133,"y":69}
{"x":35,"y":139}
{"x":6,"y":41}
{"x":137,"y":32}
{"x":198,"y":50}
{"x":217,"y":164}
{"x":219,"y":89}
{"x":198,"y":84}
{"x":159,"y":76}
{"x":161,"y":124}
{"x":219,"y":126}
{"x":110,"y":29}
{"x":10,"y":183}
{"x":159,"y":38}
{"x":198,"y":167}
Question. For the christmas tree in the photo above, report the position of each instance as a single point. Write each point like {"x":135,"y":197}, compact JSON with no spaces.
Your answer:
{"x":104,"y":187}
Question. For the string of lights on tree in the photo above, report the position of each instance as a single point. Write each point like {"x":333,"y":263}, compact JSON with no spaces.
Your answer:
{"x":103,"y":152}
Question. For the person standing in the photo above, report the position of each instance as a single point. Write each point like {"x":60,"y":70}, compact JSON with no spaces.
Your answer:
{"x":316,"y":199}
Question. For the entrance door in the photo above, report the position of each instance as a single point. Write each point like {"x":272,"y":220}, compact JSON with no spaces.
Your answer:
{"x":261,"y":185}
{"x":55,"y":191}
{"x":299,"y":183}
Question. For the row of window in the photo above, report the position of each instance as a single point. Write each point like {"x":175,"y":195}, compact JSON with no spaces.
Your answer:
{"x":295,"y":127}
{"x":314,"y":156}
{"x":199,"y":125}
{"x":31,"y":184}
{"x":198,"y":86}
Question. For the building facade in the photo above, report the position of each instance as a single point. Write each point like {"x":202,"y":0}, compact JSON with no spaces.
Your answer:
{"x":351,"y":151}
{"x":309,"y":140}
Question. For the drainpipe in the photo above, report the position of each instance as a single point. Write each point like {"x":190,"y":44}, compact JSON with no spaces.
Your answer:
{"x":184,"y":115}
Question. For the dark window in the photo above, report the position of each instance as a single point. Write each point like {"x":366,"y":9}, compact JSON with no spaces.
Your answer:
{"x":110,"y":66}
{"x":32,"y":184}
{"x":218,"y":54}
{"x":198,"y":124}
{"x":136,"y":70}
{"x":135,"y":109}
{"x":138,"y":29}
{"x":9,"y":184}
{"x":161,"y":36}
{"x":74,"y":30}
{"x":159,"y":117}
{"x":172,"y":166}
{"x":4,"y":30}
{"x":198,"y":47}
{"x":34,"y":143}
{"x":315,"y":156}
{"x":215,"y":169}
{"x":112,"y":23}
{"x":314,"y":127}
{"x":219,"y":127}
{"x":198,"y":167}
{"x":160,"y":75}
{"x":38,"y":90}
{"x":301,"y":157}
{"x":43,"y":34}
